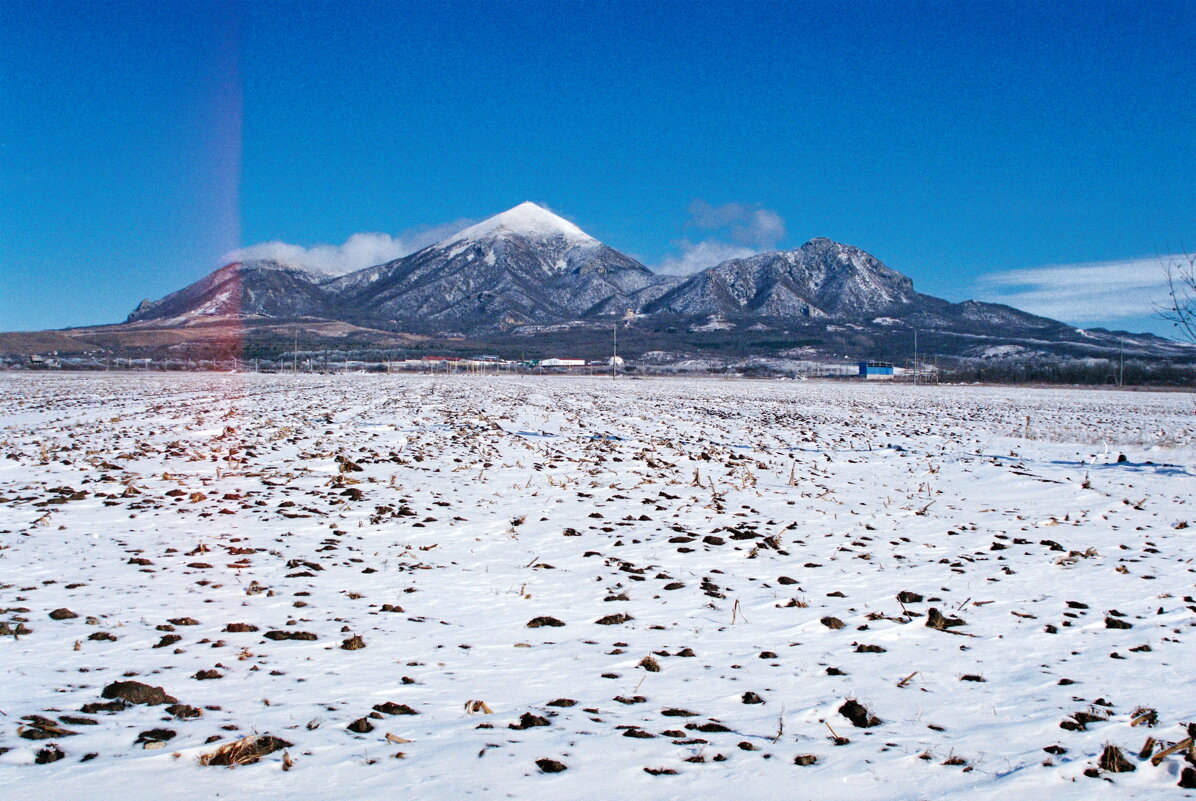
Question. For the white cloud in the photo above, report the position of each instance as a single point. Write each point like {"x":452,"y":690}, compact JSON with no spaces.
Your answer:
{"x":358,"y":251}
{"x":1082,"y":293}
{"x":751,"y":226}
{"x":697,"y":256}
{"x":738,"y":230}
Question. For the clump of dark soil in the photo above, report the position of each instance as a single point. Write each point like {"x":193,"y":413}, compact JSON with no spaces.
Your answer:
{"x":134,"y":692}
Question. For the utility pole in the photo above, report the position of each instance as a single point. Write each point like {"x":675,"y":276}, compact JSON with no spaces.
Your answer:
{"x":915,"y":355}
{"x":1121,"y":361}
{"x":614,"y":357}
{"x":295,"y":353}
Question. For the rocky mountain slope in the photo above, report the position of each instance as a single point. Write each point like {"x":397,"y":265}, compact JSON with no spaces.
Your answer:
{"x":529,"y":275}
{"x":820,"y":279}
{"x":249,"y":288}
{"x":525,"y":265}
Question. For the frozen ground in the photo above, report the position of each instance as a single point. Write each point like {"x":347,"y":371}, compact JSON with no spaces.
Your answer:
{"x":728,"y":521}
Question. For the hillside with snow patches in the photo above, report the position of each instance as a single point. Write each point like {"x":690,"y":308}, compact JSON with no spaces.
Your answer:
{"x":580,"y":588}
{"x":509,"y":276}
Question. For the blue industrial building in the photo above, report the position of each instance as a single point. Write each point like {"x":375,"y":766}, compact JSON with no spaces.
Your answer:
{"x":876,"y":370}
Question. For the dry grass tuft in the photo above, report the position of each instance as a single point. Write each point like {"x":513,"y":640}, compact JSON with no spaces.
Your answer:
{"x":245,"y":751}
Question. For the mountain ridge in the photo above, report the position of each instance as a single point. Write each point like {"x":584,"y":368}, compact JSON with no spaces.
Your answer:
{"x":527,"y":273}
{"x":522,"y":266}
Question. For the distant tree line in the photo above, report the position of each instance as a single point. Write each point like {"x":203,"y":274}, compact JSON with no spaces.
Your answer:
{"x":1154,"y":372}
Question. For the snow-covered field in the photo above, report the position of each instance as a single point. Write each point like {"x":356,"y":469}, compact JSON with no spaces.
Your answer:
{"x":725,"y":558}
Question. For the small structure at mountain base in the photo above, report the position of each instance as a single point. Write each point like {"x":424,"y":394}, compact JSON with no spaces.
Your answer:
{"x":876,"y":371}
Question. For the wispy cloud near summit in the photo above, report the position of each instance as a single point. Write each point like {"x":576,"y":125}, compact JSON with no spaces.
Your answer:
{"x":751,"y":226}
{"x":736,"y":231}
{"x":358,"y":251}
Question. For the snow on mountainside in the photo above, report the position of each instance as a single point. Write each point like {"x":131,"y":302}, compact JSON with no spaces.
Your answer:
{"x":527,"y":220}
{"x":528,"y":267}
{"x":522,"y":266}
{"x":820,"y":279}
{"x":264,"y":288}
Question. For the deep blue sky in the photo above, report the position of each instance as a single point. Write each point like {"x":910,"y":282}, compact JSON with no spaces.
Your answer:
{"x":139,"y":142}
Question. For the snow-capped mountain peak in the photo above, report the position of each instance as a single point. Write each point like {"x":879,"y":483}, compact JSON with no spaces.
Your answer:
{"x":527,"y":220}
{"x":527,"y":268}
